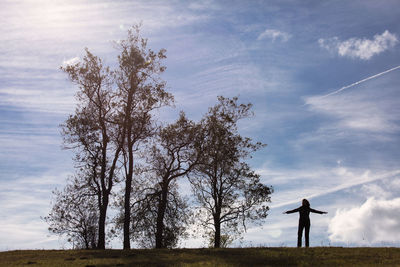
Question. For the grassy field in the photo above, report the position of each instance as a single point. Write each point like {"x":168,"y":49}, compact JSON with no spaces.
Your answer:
{"x":320,"y":256}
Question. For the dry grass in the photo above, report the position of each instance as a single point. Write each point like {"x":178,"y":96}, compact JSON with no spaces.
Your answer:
{"x":320,"y":256}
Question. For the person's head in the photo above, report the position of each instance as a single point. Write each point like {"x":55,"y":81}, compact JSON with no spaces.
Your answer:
{"x":306,"y":203}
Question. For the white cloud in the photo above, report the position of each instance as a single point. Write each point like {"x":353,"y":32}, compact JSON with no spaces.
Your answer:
{"x":360,"y":48}
{"x":373,"y":189}
{"x":375,"y":221}
{"x":274,"y":35}
{"x":71,"y":61}
{"x":203,"y":5}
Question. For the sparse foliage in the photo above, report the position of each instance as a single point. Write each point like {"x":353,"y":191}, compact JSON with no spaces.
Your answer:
{"x":140,"y":91}
{"x":159,"y":213}
{"x":75,"y":214}
{"x":174,"y":155}
{"x":228,"y":191}
{"x":145,"y":199}
{"x":92,"y":132}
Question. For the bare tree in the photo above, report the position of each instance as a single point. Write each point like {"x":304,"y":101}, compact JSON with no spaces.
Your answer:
{"x":228,"y":191}
{"x":140,"y":91}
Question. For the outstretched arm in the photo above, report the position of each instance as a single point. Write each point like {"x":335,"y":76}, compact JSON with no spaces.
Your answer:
{"x":318,"y":211}
{"x":292,"y":211}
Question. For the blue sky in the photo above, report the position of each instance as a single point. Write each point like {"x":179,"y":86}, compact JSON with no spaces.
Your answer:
{"x":340,"y":150}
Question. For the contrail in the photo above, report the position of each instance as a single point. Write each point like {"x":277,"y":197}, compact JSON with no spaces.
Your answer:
{"x":364,"y":80}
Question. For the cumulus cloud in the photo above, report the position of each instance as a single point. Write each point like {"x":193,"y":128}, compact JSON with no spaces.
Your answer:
{"x":360,"y":48}
{"x":274,"y":35}
{"x":375,"y":221}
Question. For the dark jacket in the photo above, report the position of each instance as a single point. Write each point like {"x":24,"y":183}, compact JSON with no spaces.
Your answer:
{"x":304,"y":213}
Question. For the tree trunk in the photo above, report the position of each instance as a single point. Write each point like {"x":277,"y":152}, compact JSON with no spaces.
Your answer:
{"x":86,"y":240}
{"x":128,"y":189}
{"x":102,"y":224}
{"x":217,"y":214}
{"x":162,"y":205}
{"x":217,"y":234}
{"x":127,"y":212}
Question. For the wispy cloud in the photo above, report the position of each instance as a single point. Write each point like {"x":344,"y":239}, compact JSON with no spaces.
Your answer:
{"x":274,"y":35}
{"x":202,"y":5}
{"x":358,"y":113}
{"x":42,"y":100}
{"x":23,"y":201}
{"x":368,"y":107}
{"x":360,"y":48}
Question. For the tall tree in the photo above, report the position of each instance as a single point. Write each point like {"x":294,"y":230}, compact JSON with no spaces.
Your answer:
{"x":140,"y":91}
{"x":228,"y":191}
{"x":93,"y":131}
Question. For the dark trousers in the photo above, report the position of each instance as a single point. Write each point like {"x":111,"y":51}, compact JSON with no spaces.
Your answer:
{"x":306,"y":226}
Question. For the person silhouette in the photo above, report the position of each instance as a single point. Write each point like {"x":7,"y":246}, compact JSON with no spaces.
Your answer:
{"x":304,"y":221}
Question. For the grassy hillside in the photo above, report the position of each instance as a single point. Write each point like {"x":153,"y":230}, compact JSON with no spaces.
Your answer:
{"x":321,"y":256}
